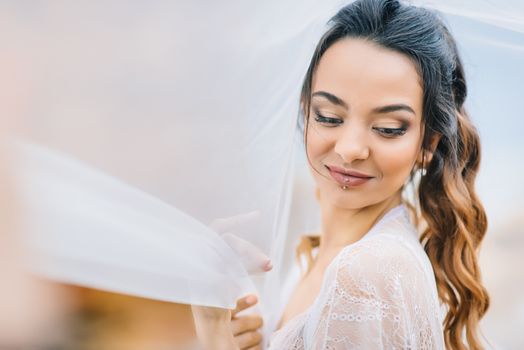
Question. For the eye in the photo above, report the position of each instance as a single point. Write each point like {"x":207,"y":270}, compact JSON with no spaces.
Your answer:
{"x":391,"y":132}
{"x":329,"y":122}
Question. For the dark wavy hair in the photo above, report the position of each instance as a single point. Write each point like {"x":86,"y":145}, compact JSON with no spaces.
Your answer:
{"x":453,"y":217}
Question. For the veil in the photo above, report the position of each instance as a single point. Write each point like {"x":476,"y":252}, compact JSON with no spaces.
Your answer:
{"x":157,"y":152}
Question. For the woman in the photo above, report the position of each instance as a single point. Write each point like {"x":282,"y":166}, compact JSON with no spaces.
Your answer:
{"x":383,"y":108}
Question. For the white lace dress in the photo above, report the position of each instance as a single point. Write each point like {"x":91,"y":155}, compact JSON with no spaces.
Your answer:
{"x":377,"y":293}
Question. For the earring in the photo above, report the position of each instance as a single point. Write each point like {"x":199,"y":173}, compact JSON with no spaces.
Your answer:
{"x":423,"y":165}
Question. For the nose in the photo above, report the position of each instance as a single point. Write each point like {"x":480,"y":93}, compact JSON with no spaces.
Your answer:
{"x":352,"y":144}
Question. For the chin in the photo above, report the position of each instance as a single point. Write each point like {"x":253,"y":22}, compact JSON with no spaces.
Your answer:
{"x":346,"y":199}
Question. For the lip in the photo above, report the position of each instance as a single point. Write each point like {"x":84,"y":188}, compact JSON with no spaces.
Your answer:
{"x":348,"y":177}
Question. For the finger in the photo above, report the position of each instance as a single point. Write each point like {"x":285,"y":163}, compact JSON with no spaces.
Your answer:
{"x":246,"y":324}
{"x":248,"y":339}
{"x":243,"y":303}
{"x":253,"y":259}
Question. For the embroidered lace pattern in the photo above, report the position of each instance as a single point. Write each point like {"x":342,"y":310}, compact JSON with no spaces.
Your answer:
{"x":378,"y":293}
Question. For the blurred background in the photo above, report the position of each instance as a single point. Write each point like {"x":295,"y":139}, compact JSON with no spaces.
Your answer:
{"x":55,"y":316}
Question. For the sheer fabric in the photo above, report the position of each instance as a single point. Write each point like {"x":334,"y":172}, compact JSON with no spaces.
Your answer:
{"x":378,"y":293}
{"x":175,"y":114}
{"x":151,"y":134}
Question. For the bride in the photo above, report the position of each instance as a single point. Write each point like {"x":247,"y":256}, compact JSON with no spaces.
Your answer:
{"x":382,"y":105}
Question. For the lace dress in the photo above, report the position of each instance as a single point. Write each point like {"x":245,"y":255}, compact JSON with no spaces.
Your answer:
{"x":377,"y":293}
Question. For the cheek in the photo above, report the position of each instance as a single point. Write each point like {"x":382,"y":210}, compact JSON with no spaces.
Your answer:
{"x":396,"y":159}
{"x":317,"y":146}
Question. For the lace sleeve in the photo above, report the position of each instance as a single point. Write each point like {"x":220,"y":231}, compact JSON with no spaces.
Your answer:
{"x":378,"y":296}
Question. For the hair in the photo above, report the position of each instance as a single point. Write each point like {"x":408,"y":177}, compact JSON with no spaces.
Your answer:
{"x":454,"y":219}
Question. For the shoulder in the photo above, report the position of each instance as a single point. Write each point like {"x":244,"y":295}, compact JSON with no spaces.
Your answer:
{"x":381,"y":263}
{"x":395,"y":240}
{"x":381,"y":249}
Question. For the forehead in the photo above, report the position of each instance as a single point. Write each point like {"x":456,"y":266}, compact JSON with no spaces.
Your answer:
{"x":365,"y":74}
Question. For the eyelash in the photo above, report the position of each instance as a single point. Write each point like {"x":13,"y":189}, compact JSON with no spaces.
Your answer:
{"x":321,"y":119}
{"x":391,"y":132}
{"x":386,"y":132}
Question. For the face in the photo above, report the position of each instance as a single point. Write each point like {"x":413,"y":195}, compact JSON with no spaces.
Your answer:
{"x":364,"y":131}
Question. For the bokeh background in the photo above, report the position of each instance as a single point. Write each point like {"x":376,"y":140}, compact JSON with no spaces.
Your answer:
{"x":89,"y":319}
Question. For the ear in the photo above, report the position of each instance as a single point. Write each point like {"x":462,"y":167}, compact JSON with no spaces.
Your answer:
{"x":435,"y":139}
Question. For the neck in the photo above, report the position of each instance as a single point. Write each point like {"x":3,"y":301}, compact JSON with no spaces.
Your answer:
{"x":341,"y":227}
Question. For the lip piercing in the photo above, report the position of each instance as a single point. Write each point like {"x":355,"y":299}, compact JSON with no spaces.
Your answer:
{"x":345,"y":187}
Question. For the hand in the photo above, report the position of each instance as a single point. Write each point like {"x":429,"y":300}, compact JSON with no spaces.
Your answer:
{"x":245,"y":328}
{"x":252,"y":257}
{"x":209,"y":314}
{"x":213,"y":327}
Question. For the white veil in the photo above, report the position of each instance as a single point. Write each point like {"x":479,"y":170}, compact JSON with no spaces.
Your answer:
{"x":144,"y":123}
{"x":143,"y":127}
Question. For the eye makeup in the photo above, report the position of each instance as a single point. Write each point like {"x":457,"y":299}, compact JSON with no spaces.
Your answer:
{"x":327,"y":120}
{"x":391,"y":132}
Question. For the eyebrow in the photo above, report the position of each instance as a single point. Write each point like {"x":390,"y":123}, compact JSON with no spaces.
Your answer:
{"x":331,"y":98}
{"x":383,"y":109}
{"x":394,"y":108}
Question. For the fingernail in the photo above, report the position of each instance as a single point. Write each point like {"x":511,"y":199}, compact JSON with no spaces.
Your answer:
{"x":268,"y":265}
{"x":251,"y":299}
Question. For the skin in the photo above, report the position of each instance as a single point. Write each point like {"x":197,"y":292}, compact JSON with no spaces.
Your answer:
{"x":246,"y":329}
{"x":367,"y":78}
{"x":219,"y":329}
